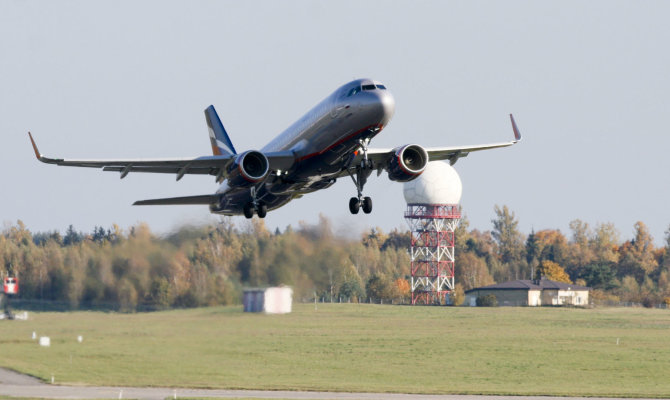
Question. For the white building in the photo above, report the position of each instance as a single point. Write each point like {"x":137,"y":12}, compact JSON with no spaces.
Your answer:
{"x":532,"y":293}
{"x":272,"y":300}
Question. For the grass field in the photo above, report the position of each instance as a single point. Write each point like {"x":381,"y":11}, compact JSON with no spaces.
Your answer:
{"x":350,"y":347}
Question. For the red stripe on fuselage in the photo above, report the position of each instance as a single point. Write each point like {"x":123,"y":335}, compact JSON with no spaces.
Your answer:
{"x":353,"y":135}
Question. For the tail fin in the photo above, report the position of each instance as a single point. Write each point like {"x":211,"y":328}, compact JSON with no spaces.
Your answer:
{"x":221,"y":144}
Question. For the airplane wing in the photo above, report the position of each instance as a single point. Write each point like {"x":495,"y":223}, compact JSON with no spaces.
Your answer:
{"x":380,"y":157}
{"x":201,"y":199}
{"x":209,"y":165}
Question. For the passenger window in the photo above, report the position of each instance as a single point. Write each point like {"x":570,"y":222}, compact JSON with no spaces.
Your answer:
{"x":382,"y":87}
{"x":368,"y":87}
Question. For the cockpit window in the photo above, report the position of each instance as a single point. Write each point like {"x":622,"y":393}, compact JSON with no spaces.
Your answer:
{"x":368,"y":87}
{"x":353,"y":91}
{"x":382,"y":87}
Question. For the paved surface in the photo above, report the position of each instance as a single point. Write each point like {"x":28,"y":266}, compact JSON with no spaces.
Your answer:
{"x":17,"y":385}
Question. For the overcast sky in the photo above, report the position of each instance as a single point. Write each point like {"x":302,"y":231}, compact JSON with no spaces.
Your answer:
{"x":588,"y":83}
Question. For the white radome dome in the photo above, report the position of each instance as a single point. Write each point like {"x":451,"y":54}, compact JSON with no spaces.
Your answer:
{"x":438,"y":184}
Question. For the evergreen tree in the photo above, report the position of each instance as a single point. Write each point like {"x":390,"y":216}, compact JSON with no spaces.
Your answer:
{"x":72,"y":237}
{"x":507,"y":236}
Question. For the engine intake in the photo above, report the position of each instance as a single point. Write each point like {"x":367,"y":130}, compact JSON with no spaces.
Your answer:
{"x":248,"y":168}
{"x":408,"y":163}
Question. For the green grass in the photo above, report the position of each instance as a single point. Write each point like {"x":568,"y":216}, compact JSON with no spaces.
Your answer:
{"x":348,"y":347}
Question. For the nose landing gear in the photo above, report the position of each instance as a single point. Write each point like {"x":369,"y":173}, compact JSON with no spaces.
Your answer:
{"x":363,"y":171}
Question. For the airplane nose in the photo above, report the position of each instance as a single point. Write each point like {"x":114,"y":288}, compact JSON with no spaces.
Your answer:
{"x":376,"y":106}
{"x":388,"y":105}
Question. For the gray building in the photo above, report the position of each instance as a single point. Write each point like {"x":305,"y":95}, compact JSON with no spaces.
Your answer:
{"x":532,"y":293}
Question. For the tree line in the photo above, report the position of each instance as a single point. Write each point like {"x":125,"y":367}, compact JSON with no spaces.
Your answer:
{"x":632,"y":270}
{"x":210,"y":265}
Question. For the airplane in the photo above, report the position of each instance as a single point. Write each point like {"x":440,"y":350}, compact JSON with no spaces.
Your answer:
{"x":329,"y":142}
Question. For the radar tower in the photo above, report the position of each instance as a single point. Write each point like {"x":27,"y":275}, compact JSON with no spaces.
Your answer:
{"x":433,"y":213}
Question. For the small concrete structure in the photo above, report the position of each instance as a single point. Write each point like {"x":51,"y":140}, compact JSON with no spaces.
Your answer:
{"x":272,"y":300}
{"x":532,"y":293}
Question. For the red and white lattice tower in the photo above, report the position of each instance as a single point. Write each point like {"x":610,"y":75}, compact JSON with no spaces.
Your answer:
{"x":432,"y":253}
{"x":433,"y":213}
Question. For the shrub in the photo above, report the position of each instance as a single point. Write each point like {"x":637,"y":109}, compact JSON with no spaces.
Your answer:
{"x":489,"y":300}
{"x":648,"y":302}
{"x":458,"y":295}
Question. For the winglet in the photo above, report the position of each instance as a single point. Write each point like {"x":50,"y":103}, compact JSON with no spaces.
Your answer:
{"x":517,"y":134}
{"x":40,"y":156}
{"x":221,"y":144}
{"x":37,"y":152}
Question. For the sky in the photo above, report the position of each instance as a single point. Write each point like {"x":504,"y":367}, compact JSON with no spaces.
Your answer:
{"x":587,"y":82}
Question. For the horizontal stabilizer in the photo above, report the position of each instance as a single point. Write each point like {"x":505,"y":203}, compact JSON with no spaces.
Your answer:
{"x":202,"y":199}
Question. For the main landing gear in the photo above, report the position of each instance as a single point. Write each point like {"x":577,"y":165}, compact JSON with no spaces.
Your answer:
{"x":259,"y":207}
{"x":356,"y":204}
{"x":363,"y":171}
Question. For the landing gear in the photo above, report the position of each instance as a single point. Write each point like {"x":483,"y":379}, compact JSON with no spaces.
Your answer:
{"x":259,"y":207}
{"x":262,"y":210}
{"x":249,"y":210}
{"x":354,"y":205}
{"x":365,"y":204}
{"x":363,"y":171}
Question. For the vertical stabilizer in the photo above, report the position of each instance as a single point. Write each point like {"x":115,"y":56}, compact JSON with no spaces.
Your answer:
{"x":221,"y":144}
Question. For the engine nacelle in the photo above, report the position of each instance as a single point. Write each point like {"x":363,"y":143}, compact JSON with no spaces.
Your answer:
{"x":248,"y":168}
{"x":408,"y":163}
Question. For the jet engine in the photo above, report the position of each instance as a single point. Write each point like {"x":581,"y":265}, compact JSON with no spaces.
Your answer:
{"x":248,"y":168}
{"x":408,"y":163}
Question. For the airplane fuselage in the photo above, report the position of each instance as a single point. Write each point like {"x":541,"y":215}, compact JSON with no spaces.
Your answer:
{"x":322,"y":141}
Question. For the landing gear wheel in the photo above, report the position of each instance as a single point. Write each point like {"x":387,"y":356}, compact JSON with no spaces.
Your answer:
{"x":367,"y":205}
{"x":354,"y":205}
{"x":249,"y":210}
{"x":262,"y":210}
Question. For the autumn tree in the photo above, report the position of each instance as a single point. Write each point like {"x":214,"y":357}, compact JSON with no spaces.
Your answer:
{"x":351,"y":287}
{"x":605,"y":244}
{"x":379,"y":287}
{"x":637,"y":255}
{"x":551,"y":245}
{"x":580,"y":251}
{"x":552,"y":271}
{"x":471,"y":271}
{"x":401,"y":290}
